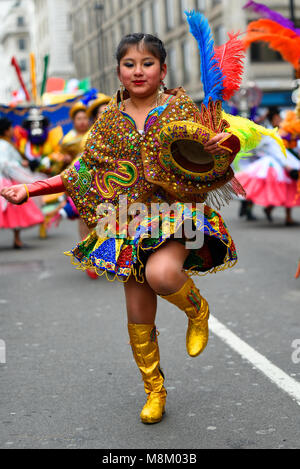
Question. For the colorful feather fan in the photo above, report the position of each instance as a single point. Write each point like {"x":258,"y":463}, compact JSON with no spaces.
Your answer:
{"x":266,"y":12}
{"x":282,"y":40}
{"x":290,"y":129}
{"x":230,"y":58}
{"x":214,"y":65}
{"x":249,"y":133}
{"x":212,"y":77}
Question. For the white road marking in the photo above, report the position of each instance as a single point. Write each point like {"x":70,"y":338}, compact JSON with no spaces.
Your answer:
{"x":271,"y":371}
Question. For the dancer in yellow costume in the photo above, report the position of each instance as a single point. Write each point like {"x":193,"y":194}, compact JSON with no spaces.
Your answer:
{"x":145,"y":147}
{"x":72,"y":144}
{"x":97,"y":106}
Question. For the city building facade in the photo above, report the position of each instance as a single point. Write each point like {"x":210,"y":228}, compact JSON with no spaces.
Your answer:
{"x":53,"y":37}
{"x":15,"y":40}
{"x":98,"y":26}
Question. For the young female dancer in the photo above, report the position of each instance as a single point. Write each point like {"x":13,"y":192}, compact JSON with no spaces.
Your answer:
{"x":120,"y":159}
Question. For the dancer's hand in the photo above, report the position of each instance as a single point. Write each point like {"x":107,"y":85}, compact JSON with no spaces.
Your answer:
{"x":212,"y":146}
{"x":15,"y":194}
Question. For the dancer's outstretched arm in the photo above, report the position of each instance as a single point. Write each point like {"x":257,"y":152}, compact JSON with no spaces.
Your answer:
{"x":20,"y":193}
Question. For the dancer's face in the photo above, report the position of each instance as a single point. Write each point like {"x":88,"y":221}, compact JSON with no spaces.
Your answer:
{"x":276,"y":120}
{"x":141,"y":72}
{"x":81,"y":122}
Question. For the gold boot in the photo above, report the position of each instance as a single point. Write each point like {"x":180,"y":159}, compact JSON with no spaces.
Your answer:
{"x":189,"y":300}
{"x":43,"y":229}
{"x":143,"y":341}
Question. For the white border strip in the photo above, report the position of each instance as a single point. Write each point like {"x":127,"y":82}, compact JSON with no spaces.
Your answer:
{"x":275,"y":374}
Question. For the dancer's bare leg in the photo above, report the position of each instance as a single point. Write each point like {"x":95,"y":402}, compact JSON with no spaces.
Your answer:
{"x":289,"y":221}
{"x":17,"y":239}
{"x":83,"y":230}
{"x":141,"y":302}
{"x":164,"y":269}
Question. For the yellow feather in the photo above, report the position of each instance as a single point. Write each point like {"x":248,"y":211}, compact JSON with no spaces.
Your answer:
{"x":249,"y":133}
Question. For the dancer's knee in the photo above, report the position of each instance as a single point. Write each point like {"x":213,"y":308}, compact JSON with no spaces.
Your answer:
{"x":163,"y":278}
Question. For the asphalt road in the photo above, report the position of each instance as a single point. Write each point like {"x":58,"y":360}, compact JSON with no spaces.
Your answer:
{"x":70,"y":380}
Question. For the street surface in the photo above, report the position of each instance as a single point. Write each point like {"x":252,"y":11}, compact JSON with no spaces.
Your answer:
{"x":70,"y":380}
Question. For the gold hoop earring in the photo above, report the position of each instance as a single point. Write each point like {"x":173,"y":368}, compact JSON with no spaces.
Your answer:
{"x":160,"y":93}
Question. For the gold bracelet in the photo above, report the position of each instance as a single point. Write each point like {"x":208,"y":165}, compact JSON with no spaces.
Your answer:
{"x":27,"y":192}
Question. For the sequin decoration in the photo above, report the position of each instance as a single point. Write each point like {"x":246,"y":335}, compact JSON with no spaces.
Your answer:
{"x":125,"y":176}
{"x":120,"y":161}
{"x":119,"y":258}
{"x":114,"y":139}
{"x":84,"y":178}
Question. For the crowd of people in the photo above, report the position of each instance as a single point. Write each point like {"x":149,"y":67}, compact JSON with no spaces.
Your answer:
{"x":270,"y":177}
{"x":31,"y":152}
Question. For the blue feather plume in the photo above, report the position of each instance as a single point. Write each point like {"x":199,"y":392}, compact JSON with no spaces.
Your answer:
{"x":211,"y":74}
{"x":89,"y":96}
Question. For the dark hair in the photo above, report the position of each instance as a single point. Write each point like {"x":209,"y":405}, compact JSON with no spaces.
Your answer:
{"x":94,"y":112}
{"x":152,"y":43}
{"x":5,"y":124}
{"x":77,"y":112}
{"x":272,"y":112}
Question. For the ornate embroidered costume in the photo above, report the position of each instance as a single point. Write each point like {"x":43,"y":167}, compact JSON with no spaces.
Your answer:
{"x":119,"y":161}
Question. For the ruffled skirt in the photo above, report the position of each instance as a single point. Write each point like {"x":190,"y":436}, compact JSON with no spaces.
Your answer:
{"x":18,"y":216}
{"x":119,"y":257}
{"x":267,"y":183}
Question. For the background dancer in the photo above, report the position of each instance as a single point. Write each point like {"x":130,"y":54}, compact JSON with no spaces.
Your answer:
{"x":97,"y":106}
{"x":72,"y":144}
{"x":267,"y":181}
{"x":13,"y":170}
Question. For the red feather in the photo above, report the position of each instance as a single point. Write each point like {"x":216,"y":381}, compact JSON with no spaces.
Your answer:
{"x":230,"y":57}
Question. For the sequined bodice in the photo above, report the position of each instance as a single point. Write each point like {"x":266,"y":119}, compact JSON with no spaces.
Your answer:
{"x":119,"y":161}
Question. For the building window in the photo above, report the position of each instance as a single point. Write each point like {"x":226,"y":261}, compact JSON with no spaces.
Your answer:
{"x":69,"y":21}
{"x":260,"y":52}
{"x":23,"y":65}
{"x":20,"y":21}
{"x":156,"y":16}
{"x":200,"y":5}
{"x":143,"y":20}
{"x":186,"y":61}
{"x":170,"y":17}
{"x":122,"y":28}
{"x":183,"y":5}
{"x":172,"y":62}
{"x":131,"y":24}
{"x":113,"y":39}
{"x":71,"y":53}
{"x":22,"y":44}
{"x":220,"y":35}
